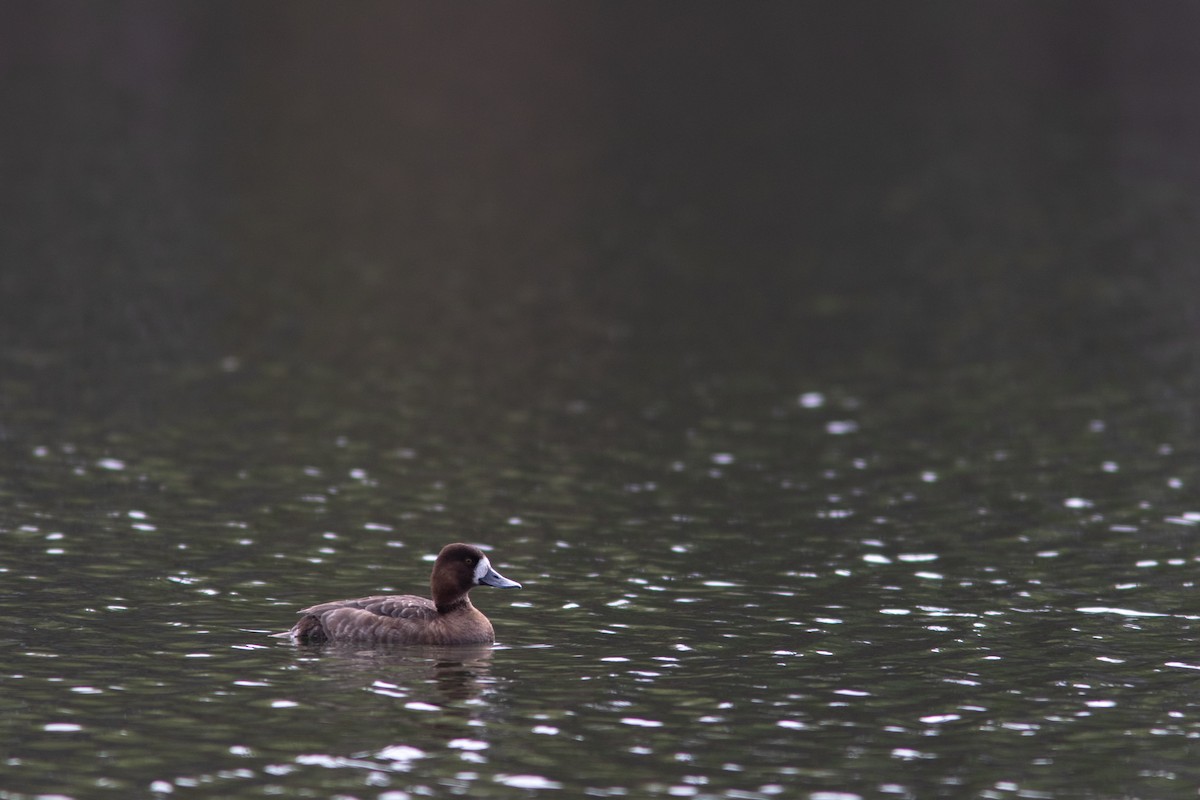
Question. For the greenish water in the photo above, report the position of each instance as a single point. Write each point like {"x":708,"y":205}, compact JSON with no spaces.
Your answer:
{"x":842,"y":433}
{"x":721,"y":617}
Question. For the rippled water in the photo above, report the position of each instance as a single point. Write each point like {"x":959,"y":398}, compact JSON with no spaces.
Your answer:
{"x":707,"y":621}
{"x":842,"y":433}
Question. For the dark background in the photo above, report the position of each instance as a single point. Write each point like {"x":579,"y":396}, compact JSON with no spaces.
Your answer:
{"x":527,"y":186}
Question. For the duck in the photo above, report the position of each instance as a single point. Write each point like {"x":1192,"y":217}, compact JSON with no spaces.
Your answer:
{"x":448,"y":618}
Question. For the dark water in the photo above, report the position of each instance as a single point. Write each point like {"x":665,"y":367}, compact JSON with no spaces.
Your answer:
{"x":827,"y":377}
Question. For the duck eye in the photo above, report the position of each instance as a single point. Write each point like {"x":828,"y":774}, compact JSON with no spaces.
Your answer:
{"x":470,"y":562}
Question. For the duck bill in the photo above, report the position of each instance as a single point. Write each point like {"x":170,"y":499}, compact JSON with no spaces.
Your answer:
{"x":493,"y":578}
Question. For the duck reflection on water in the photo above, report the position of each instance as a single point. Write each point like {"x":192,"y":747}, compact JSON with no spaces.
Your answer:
{"x":435,"y":675}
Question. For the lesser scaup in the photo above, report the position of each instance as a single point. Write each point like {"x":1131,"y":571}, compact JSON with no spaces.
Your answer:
{"x":449,"y":618}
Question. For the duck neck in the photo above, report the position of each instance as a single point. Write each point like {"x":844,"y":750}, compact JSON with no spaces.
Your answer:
{"x":447,"y":605}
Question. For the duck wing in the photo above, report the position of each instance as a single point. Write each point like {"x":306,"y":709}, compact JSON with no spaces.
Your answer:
{"x":396,"y":606}
{"x":384,"y":618}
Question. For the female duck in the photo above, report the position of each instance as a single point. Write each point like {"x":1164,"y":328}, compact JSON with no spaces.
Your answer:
{"x":449,"y":618}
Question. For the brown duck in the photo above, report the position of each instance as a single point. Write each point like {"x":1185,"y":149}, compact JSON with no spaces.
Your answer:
{"x":449,"y":618}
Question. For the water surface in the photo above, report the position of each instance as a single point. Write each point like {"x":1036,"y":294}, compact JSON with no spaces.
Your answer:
{"x":835,"y":412}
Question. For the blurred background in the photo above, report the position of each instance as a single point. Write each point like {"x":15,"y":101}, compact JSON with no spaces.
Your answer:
{"x":515,"y":196}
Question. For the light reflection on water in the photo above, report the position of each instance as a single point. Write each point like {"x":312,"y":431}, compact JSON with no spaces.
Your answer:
{"x":863,"y":654}
{"x":741,"y":626}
